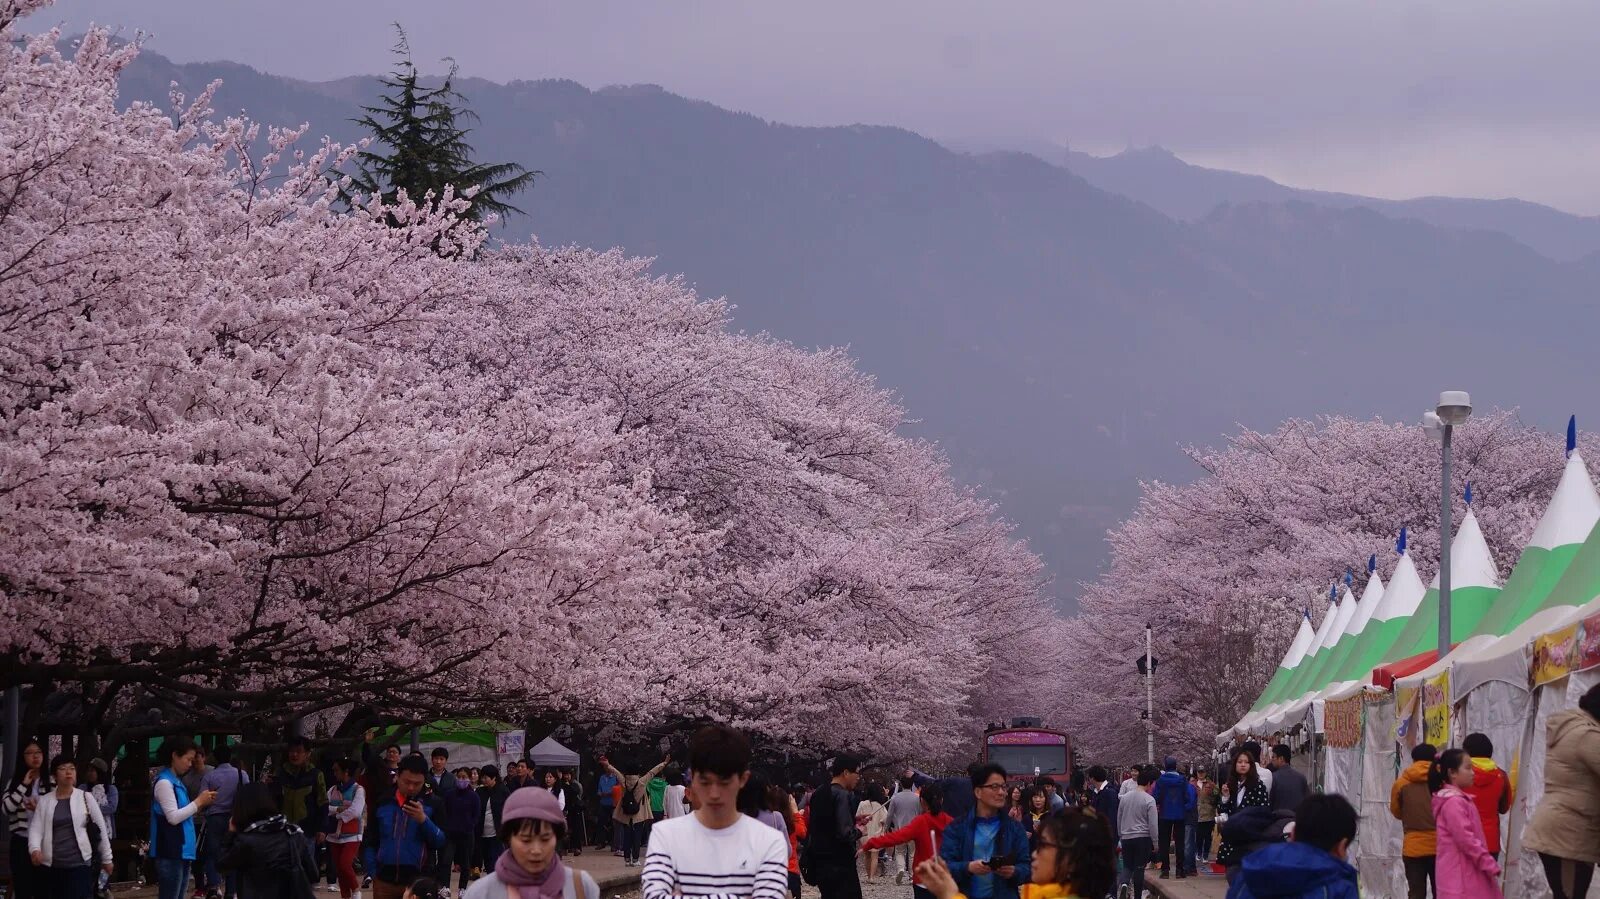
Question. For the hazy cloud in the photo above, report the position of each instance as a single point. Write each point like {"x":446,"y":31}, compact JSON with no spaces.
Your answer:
{"x":1466,"y":97}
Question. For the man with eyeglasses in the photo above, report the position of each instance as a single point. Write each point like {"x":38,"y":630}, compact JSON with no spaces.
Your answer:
{"x":986,"y":851}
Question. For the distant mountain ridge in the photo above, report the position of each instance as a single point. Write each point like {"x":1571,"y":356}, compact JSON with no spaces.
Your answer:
{"x":1159,"y":179}
{"x":1058,"y":339}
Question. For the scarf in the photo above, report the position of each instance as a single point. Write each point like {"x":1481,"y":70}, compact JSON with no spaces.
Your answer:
{"x":548,"y":885}
{"x":1484,"y":764}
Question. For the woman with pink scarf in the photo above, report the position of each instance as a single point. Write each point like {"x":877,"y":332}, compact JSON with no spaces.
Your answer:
{"x":532,"y":828}
{"x":1465,"y":869}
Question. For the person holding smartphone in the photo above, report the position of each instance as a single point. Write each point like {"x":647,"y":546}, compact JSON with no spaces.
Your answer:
{"x":403,"y":829}
{"x":986,"y":851}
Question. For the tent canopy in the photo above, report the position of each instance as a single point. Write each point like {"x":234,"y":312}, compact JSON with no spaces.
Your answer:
{"x":547,"y":753}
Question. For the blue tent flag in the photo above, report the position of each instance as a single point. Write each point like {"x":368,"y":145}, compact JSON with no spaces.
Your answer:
{"x":1572,"y":434}
{"x":1372,"y":563}
{"x":1349,"y":577}
{"x":1469,"y":493}
{"x":1333,"y":592}
{"x":1400,"y":545}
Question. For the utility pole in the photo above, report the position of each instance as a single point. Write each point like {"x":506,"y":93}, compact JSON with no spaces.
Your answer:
{"x":1149,"y":697}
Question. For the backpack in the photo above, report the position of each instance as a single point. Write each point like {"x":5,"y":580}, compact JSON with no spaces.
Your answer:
{"x":630,"y":800}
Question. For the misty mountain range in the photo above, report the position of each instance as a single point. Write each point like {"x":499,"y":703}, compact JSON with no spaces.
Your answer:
{"x":1061,"y":325}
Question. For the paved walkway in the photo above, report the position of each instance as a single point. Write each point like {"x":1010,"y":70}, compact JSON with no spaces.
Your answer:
{"x":1205,"y":886}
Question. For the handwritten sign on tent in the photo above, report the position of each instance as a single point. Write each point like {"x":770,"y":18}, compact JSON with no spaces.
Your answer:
{"x":1436,"y":709}
{"x":512,"y":743}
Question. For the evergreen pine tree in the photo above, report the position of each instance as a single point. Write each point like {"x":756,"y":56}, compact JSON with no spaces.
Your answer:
{"x":419,"y":145}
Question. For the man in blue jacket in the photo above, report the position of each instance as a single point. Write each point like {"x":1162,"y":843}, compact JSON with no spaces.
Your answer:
{"x":1312,"y":863}
{"x":986,"y":851}
{"x":403,"y":829}
{"x":1171,"y":794}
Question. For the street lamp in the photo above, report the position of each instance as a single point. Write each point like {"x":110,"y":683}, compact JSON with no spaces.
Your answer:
{"x":1454,"y":408}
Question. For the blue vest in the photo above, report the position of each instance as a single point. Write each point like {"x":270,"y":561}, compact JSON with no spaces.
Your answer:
{"x":174,"y":841}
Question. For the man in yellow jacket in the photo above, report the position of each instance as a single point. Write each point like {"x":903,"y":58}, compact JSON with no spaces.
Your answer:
{"x":1411,"y":801}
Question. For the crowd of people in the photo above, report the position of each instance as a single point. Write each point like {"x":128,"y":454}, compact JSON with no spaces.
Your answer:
{"x":409,"y":827}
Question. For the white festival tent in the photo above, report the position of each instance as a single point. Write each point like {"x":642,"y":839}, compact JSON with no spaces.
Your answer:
{"x":1319,"y":640}
{"x":1401,"y":597}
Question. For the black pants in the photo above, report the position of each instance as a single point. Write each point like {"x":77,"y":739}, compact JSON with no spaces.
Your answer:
{"x":838,"y":880}
{"x":68,"y":883}
{"x":1568,"y":879}
{"x":488,"y":853}
{"x":1135,"y":855}
{"x":1202,"y":838}
{"x":26,"y":881}
{"x":604,"y":828}
{"x":458,"y":850}
{"x":1419,"y":877}
{"x":1172,"y":848}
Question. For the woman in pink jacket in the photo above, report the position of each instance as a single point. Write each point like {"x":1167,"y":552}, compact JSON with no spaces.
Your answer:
{"x":1464,"y":868}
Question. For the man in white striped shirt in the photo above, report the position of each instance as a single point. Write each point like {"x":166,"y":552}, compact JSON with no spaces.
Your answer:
{"x":716,"y":851}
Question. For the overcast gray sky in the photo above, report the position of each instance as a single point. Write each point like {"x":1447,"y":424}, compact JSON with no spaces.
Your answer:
{"x":1385,"y":97}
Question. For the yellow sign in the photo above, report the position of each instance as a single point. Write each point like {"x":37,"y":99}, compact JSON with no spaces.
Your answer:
{"x":1552,"y":654}
{"x":1436,"y":709}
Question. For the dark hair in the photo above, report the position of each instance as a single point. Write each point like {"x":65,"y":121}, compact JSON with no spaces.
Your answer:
{"x":1282,"y":752}
{"x":986,"y":771}
{"x":1478,"y":746}
{"x":252,"y":802}
{"x":346,"y":764}
{"x":172,"y":746}
{"x":1236,"y":784}
{"x":61,"y":758}
{"x":1324,"y":820}
{"x":490,"y":772}
{"x":413,"y":764}
{"x":1027,"y":798}
{"x":932,"y":795}
{"x":223,"y":754}
{"x":907,"y":781}
{"x":16,"y":776}
{"x":425,"y":888}
{"x":840,"y":765}
{"x":1147,"y":776}
{"x":439,"y":752}
{"x":1590,"y":702}
{"x":753,"y":798}
{"x":719,"y":749}
{"x":1087,"y":859}
{"x":1424,"y":752}
{"x":1253,"y":748}
{"x":1439,"y":771}
{"x":1098,"y":774}
{"x":297,"y":741}
{"x":513,"y":826}
{"x":876,"y":793}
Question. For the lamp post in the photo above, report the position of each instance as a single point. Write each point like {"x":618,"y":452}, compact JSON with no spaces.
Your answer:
{"x":1454,"y":408}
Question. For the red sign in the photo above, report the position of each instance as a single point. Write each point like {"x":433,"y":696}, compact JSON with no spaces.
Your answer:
{"x":1027,"y":738}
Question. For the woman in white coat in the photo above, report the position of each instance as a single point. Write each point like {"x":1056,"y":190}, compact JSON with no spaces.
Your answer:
{"x":58,"y":836}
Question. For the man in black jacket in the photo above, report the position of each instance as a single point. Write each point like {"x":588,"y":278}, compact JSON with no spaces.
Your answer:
{"x":1103,"y":796}
{"x":832,"y":837}
{"x":493,"y":793}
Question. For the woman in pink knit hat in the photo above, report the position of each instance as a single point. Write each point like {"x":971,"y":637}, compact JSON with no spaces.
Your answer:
{"x":532,"y":828}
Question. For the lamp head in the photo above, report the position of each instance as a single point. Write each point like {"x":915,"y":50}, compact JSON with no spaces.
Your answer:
{"x":1432,"y":424}
{"x":1455,"y":407}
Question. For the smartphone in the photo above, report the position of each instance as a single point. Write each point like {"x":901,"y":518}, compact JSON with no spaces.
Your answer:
{"x":1000,"y":861}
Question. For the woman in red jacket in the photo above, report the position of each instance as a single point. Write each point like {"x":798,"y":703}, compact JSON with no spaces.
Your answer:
{"x":922,"y":832}
{"x":1491,"y":789}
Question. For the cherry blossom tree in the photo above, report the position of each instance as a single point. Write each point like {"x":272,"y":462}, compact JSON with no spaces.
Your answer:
{"x":262,"y":458}
{"x":1274,"y":519}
